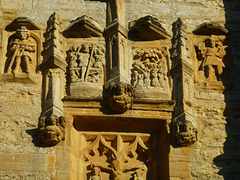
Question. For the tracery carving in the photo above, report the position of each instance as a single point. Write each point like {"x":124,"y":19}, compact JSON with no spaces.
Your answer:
{"x":51,"y":129}
{"x":86,"y":63}
{"x":120,"y":97}
{"x":116,"y":162}
{"x":186,"y":133}
{"x":150,"y":68}
{"x":211,"y":53}
{"x":21,"y":53}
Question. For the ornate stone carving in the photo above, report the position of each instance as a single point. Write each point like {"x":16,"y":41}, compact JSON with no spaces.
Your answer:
{"x":86,"y":63}
{"x":211,"y":53}
{"x":51,"y":129}
{"x":21,"y":53}
{"x":113,"y":161}
{"x":150,"y":68}
{"x":186,"y":133}
{"x":120,"y":97}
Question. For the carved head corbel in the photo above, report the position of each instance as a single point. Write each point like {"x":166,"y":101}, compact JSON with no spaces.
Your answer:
{"x":185,"y":132}
{"x":120,"y":97}
{"x":51,"y":129}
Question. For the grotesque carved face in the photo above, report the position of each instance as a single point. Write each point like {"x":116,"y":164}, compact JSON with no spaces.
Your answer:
{"x":120,"y":89}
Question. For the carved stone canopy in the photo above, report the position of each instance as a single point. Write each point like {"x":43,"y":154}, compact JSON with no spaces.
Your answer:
{"x":83,"y":27}
{"x":210,"y":29}
{"x":147,"y":28}
{"x":22,"y":21}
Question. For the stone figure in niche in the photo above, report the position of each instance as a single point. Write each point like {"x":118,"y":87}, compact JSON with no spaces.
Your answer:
{"x":95,"y":174}
{"x":21,"y":49}
{"x":186,"y":133}
{"x":120,"y":96}
{"x":211,"y":52}
{"x":51,"y":129}
{"x":86,"y":63}
{"x":150,"y":68}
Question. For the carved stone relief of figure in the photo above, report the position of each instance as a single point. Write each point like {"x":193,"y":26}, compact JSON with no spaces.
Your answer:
{"x":150,"y":68}
{"x":120,"y":97}
{"x":51,"y":129}
{"x":21,"y":51}
{"x":186,"y":133}
{"x":86,"y":63}
{"x":211,"y":53}
{"x":116,"y":162}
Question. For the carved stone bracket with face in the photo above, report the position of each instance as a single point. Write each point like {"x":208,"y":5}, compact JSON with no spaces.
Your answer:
{"x":120,"y":97}
{"x":185,"y":132}
{"x":51,"y":129}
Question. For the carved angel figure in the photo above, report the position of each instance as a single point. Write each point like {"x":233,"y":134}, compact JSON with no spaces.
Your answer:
{"x":86,"y":63}
{"x":51,"y":129}
{"x":120,"y":97}
{"x":212,"y":52}
{"x":21,"y":47}
{"x":149,"y":68}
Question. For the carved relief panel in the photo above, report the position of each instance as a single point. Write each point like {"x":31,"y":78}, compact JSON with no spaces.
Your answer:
{"x":210,"y":54}
{"x":116,"y":156}
{"x":86,"y":63}
{"x":150,"y":71}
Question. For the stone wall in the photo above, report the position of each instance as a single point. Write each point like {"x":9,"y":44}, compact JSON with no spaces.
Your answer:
{"x":215,"y":155}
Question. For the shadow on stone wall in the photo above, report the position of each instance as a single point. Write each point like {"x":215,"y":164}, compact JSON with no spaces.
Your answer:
{"x":229,"y":161}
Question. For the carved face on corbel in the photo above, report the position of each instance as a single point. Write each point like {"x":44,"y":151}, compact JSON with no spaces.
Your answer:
{"x":186,"y":133}
{"x":51,"y":129}
{"x":120,"y":97}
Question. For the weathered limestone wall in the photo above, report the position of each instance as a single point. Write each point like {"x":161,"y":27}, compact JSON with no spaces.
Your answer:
{"x":214,"y":156}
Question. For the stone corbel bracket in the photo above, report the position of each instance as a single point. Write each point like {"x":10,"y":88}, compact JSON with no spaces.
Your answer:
{"x":185,"y":133}
{"x":83,"y":27}
{"x":120,"y":97}
{"x":147,"y":28}
{"x":51,"y":129}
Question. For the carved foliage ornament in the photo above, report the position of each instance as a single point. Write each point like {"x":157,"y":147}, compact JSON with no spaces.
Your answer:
{"x":211,"y":53}
{"x":21,"y":53}
{"x":150,"y":68}
{"x":85,"y":63}
{"x":186,"y":133}
{"x":101,"y":158}
{"x":51,"y":129}
{"x":120,"y":97}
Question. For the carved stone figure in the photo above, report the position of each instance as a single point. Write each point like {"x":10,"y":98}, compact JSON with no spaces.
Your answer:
{"x":21,"y":47}
{"x":140,"y":174}
{"x":150,"y":68}
{"x":186,"y":133}
{"x":120,"y":97}
{"x":95,"y":174}
{"x":211,"y":53}
{"x":86,"y":63}
{"x":51,"y":129}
